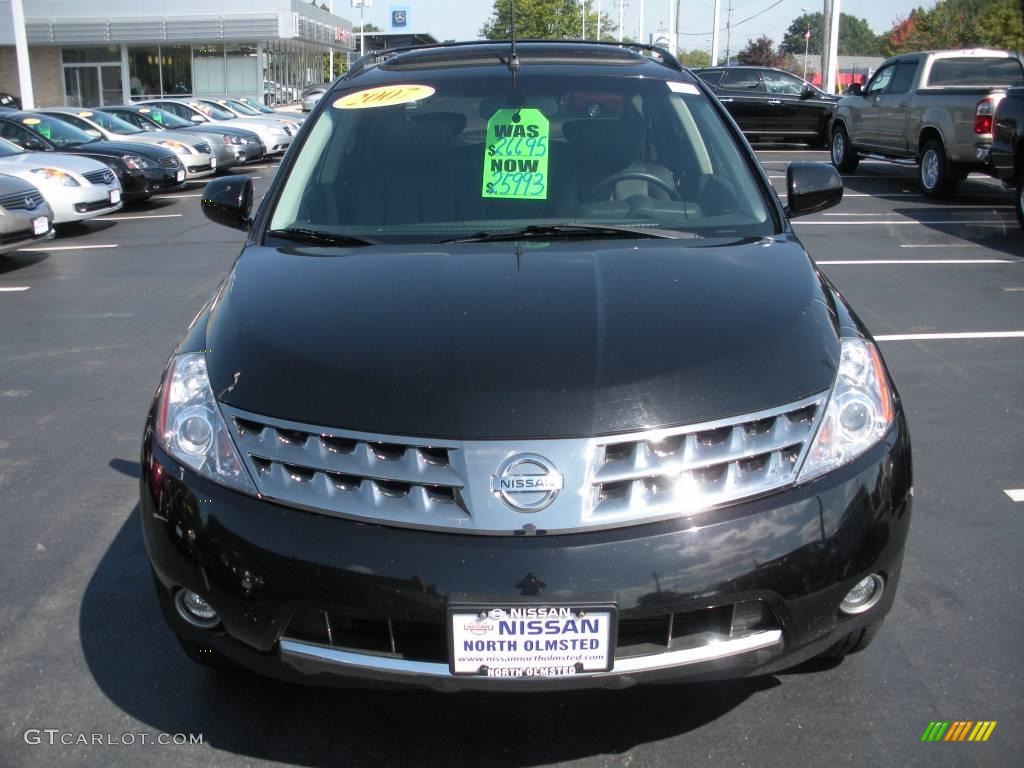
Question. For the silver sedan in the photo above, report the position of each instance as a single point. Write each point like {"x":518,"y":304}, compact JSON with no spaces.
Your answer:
{"x":24,"y":215}
{"x":77,"y":188}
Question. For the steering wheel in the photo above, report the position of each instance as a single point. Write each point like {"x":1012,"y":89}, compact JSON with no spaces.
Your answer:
{"x":650,"y":178}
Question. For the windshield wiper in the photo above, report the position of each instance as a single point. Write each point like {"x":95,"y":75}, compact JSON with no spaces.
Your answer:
{"x":318,"y":237}
{"x":583,"y":231}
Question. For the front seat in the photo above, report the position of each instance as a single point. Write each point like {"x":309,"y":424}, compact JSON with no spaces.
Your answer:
{"x":604,"y":148}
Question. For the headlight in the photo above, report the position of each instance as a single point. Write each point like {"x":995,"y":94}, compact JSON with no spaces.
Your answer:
{"x":189,"y":425}
{"x":175,"y":146}
{"x":57,"y":176}
{"x":137,"y":162}
{"x":860,"y":410}
{"x":234,"y":140}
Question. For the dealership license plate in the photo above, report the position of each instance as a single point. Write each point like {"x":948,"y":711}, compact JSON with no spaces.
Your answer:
{"x":40,"y":226}
{"x":181,"y":176}
{"x":115,"y":196}
{"x":213,"y":163}
{"x":531,"y":641}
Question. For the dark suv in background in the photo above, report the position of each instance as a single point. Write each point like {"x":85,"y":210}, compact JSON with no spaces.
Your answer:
{"x":770,"y":104}
{"x":502,"y":393}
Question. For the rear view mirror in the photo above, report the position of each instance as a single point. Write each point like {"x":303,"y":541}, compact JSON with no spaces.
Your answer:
{"x":811,"y":187}
{"x":855,"y":89}
{"x":228,"y":201}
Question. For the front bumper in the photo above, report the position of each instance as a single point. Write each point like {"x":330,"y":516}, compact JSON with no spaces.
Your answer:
{"x":200,"y":165}
{"x":16,"y":229}
{"x":83,"y":203}
{"x":139,"y":185}
{"x":258,"y":564}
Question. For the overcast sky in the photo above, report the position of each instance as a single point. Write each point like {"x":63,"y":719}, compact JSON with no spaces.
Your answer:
{"x":462,"y":19}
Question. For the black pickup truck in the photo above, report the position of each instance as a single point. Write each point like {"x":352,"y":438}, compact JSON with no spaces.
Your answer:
{"x":1007,"y":153}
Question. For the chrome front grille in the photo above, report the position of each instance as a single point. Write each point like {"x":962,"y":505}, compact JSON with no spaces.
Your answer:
{"x":170,"y":162}
{"x":22,"y":201}
{"x":709,"y":464}
{"x":104,"y":176}
{"x":202,"y":147}
{"x":446,"y":484}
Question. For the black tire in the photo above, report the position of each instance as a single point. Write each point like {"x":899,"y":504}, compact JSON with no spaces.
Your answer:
{"x":855,"y":642}
{"x":1019,"y":201}
{"x":206,"y":656}
{"x":937,"y":175}
{"x":844,"y":154}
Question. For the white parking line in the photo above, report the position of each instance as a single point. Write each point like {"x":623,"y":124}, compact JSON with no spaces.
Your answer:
{"x":940,"y":245}
{"x":921,"y":261}
{"x":13,"y":288}
{"x":950,"y":208}
{"x":70,"y":248}
{"x":1014,"y":289}
{"x":139,"y":218}
{"x":1015,"y":494}
{"x":942,"y":336}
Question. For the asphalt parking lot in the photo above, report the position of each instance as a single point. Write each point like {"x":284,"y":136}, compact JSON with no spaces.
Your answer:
{"x":88,"y":321}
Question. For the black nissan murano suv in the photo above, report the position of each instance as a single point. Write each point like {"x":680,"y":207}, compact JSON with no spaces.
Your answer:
{"x":506,"y":393}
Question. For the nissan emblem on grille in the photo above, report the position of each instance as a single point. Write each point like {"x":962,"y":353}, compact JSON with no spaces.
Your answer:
{"x":527,"y":482}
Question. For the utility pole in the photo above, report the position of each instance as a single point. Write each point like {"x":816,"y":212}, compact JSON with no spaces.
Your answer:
{"x":21,"y":51}
{"x":714,"y":33}
{"x":833,"y":48}
{"x":825,"y":26}
{"x":673,"y":48}
{"x":597,"y":36}
{"x":642,"y":34}
{"x":583,"y":16}
{"x":807,"y":41}
{"x":728,"y":32}
{"x":622,"y":20}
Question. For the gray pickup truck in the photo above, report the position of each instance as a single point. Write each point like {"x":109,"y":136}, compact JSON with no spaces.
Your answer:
{"x":932,"y":109}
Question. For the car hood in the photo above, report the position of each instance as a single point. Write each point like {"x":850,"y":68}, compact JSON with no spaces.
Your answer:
{"x":221,"y":129}
{"x":495,"y":340}
{"x":29,"y":160}
{"x":119,"y":149}
{"x":153,"y":138}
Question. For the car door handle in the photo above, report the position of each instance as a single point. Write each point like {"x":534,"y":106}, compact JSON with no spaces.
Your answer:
{"x":726,"y":100}
{"x":774,"y":101}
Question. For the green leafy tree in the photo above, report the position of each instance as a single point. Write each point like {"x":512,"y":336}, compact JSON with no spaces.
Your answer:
{"x":370,"y":28}
{"x":856,"y":37}
{"x":695,"y":58}
{"x":959,"y":24}
{"x":760,"y":52}
{"x":545,"y":20}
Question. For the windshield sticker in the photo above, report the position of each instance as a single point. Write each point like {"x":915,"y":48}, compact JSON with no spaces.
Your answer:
{"x":677,"y":87}
{"x":144,"y":110}
{"x":384,"y":96}
{"x":516,"y":160}
{"x":31,"y":121}
{"x":85,"y":114}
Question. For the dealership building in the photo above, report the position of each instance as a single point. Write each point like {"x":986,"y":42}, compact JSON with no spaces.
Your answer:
{"x":113,"y":51}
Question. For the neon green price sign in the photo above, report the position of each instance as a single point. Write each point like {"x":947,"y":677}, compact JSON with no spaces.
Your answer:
{"x":516,"y":159}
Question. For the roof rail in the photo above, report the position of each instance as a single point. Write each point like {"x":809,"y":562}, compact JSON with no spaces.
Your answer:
{"x":652,"y":52}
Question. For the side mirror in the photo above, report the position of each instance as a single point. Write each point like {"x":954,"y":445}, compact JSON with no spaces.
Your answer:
{"x":855,"y":89}
{"x":198,"y":119}
{"x":811,"y":187}
{"x":94,"y":133}
{"x":228,"y":201}
{"x":808,"y":92}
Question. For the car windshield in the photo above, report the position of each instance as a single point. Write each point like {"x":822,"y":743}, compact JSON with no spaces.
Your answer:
{"x":164,"y":118}
{"x":212,"y":111}
{"x":56,"y":131}
{"x":238,"y":106}
{"x":259,"y":107}
{"x":466,"y":156}
{"x":111,"y":123}
{"x":7,"y":149}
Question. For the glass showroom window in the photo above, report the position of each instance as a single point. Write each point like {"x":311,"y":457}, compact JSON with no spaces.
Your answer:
{"x":144,"y":70}
{"x":176,"y":69}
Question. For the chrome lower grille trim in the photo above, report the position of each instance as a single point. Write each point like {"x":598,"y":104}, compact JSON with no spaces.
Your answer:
{"x":609,"y":481}
{"x":296,"y":653}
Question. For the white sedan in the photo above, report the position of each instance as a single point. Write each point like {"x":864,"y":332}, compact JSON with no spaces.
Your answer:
{"x":77,"y":188}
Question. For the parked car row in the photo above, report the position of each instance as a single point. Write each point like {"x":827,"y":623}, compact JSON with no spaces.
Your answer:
{"x":82,"y":163}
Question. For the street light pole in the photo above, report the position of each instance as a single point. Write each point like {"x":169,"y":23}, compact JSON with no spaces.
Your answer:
{"x":714,"y":33}
{"x":622,"y":20}
{"x":21,"y":52}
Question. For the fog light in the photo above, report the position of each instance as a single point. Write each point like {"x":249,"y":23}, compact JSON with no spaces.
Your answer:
{"x":195,"y":610}
{"x":864,"y":595}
